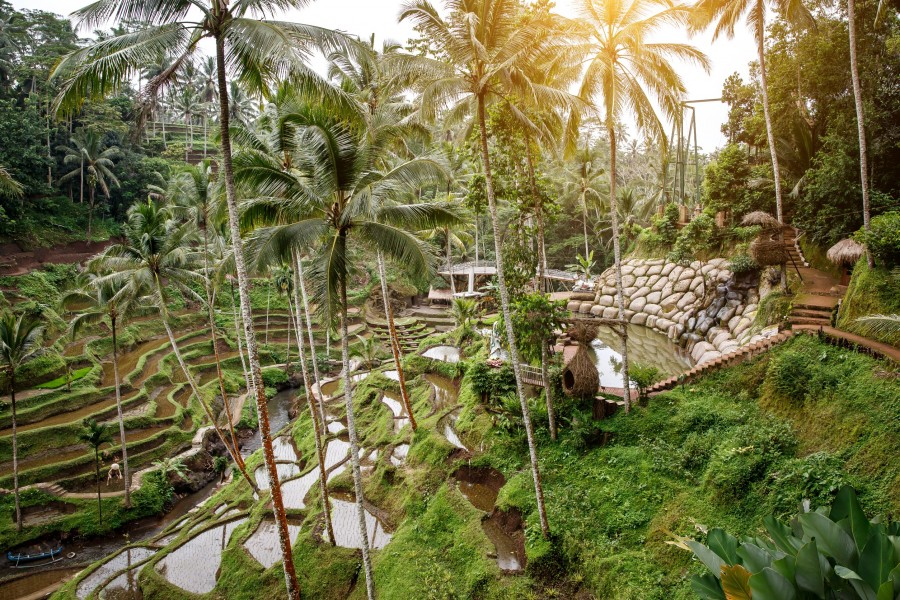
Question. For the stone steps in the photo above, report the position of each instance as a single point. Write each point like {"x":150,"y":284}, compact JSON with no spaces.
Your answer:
{"x":732,"y":358}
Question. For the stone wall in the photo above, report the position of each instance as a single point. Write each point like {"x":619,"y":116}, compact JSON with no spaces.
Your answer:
{"x":703,"y":307}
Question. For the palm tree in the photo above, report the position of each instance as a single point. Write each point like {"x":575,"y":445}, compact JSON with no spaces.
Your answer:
{"x":111,"y":301}
{"x":724,"y":15}
{"x":333,"y":194}
{"x":89,"y":160}
{"x":623,"y":67}
{"x":188,"y":105}
{"x":154,"y":256}
{"x":453,"y":237}
{"x":18,"y":343}
{"x":583,"y":178}
{"x":253,"y":49}
{"x":9,"y":187}
{"x":860,"y":120}
{"x":367,"y":351}
{"x":95,"y":435}
{"x":194,"y":198}
{"x":283,"y":279}
{"x":489,"y":44}
{"x":885,"y":327}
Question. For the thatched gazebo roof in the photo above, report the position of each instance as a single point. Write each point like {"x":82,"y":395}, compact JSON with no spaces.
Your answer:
{"x":846,"y":252}
{"x":761,"y":218}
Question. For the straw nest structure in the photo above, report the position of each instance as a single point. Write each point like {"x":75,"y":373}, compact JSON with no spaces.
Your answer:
{"x":846,"y":252}
{"x":768,"y":252}
{"x":580,"y":378}
{"x":582,"y":332}
{"x":761,"y":218}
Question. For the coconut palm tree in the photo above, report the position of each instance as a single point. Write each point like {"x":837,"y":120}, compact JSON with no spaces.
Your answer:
{"x":92,"y":163}
{"x":583,"y":181}
{"x":334,"y":195}
{"x":860,"y":119}
{"x":188,"y":105}
{"x":625,"y":70}
{"x":255,"y":51}
{"x":724,"y":16}
{"x":489,"y":45}
{"x":194,"y":197}
{"x":95,"y":435}
{"x":18,"y":343}
{"x":156,"y":255}
{"x":112,"y":302}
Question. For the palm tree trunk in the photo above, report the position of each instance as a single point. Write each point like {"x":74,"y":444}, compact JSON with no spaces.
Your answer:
{"x":81,"y":175}
{"x":542,"y":271}
{"x":287,"y":359}
{"x":507,"y":319}
{"x":449,"y":263}
{"x":860,"y":121}
{"x":240,"y":345}
{"x":90,"y":212}
{"x":584,"y":220}
{"x":284,"y":538}
{"x":115,"y":344}
{"x":97,"y":477}
{"x":395,"y":342}
{"x":770,"y":131}
{"x":617,"y":259}
{"x":268,"y":300}
{"x":190,"y":379}
{"x":210,"y":304}
{"x":313,"y":414}
{"x":354,"y":442}
{"x":15,"y":447}
{"x":298,"y":268}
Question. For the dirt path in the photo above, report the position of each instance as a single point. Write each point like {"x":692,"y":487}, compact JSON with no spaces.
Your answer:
{"x":15,"y":260}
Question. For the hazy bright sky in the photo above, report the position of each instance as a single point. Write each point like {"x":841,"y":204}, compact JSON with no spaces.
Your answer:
{"x":363,"y":17}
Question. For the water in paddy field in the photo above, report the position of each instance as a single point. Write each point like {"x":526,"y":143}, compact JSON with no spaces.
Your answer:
{"x":194,"y":565}
{"x":345,"y":521}
{"x":263,"y":543}
{"x":645,"y":347}
{"x":279,"y":415}
{"x":448,"y":354}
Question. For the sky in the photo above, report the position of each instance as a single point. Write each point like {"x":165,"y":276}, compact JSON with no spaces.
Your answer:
{"x":363,"y":17}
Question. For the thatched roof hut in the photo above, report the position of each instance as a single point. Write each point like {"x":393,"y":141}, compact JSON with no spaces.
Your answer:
{"x":846,"y":252}
{"x":761,"y":218}
{"x":583,"y":332}
{"x":580,"y":378}
{"x":768,"y":252}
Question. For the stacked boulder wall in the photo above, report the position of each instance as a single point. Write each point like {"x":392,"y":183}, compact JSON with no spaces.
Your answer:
{"x":702,"y":306}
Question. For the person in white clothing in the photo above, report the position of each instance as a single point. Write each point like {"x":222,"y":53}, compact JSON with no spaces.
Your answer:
{"x":114,"y":470}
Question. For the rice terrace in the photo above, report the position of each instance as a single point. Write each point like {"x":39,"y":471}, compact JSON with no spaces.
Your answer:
{"x":450,"y":299}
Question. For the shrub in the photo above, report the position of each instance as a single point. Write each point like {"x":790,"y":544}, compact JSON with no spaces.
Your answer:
{"x":274,"y":378}
{"x":744,"y":458}
{"x":789,"y":374}
{"x":643,"y":377}
{"x":154,"y":494}
{"x":883,"y":240}
{"x":742,"y":263}
{"x":816,"y":478}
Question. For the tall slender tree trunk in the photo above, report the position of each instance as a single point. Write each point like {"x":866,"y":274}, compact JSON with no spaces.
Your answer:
{"x":210,"y":303}
{"x":284,"y":538}
{"x":770,"y":131}
{"x":15,"y":446}
{"x":617,"y":259}
{"x":354,"y":441}
{"x":395,"y":341}
{"x":542,"y":272}
{"x":81,"y":176}
{"x":240,"y":344}
{"x":287,"y":358}
{"x":318,"y":428}
{"x":298,"y":265}
{"x":450,"y":262}
{"x":90,"y":213}
{"x":507,"y":319}
{"x":97,"y":478}
{"x":584,"y":220}
{"x":268,"y":300}
{"x":115,"y":344}
{"x":193,"y":384}
{"x":860,"y":122}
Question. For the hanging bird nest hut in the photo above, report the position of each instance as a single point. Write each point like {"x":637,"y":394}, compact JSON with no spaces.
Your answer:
{"x":846,"y":252}
{"x":582,"y":332}
{"x":761,"y":218}
{"x":768,"y":252}
{"x":580,"y":378}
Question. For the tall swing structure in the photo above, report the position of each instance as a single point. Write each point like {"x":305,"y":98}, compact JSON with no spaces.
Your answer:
{"x":686,"y":158}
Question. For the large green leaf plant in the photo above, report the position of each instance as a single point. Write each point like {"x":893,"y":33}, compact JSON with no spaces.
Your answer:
{"x":829,"y":554}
